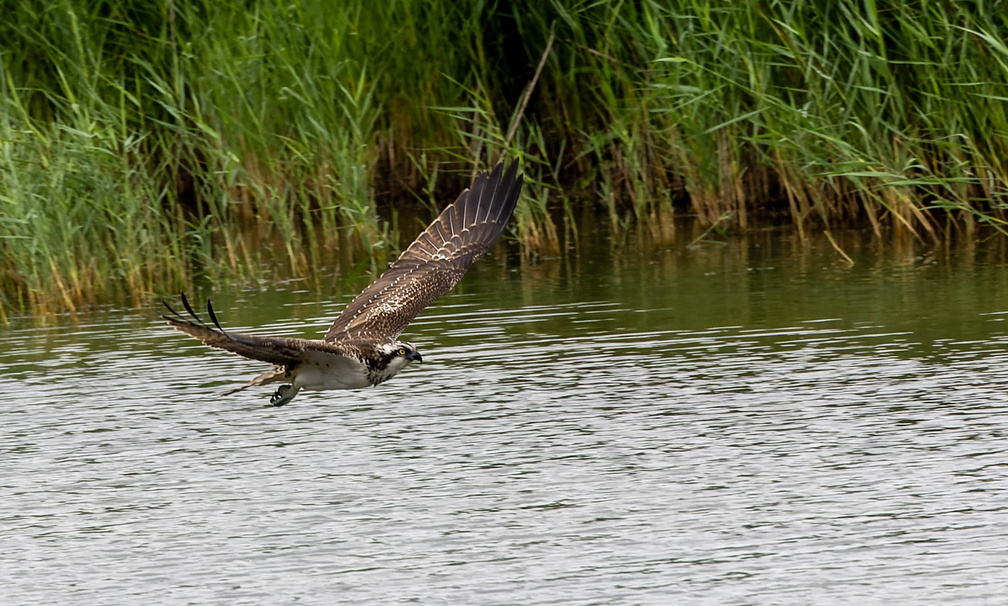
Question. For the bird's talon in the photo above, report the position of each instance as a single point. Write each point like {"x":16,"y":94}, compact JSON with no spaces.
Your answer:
{"x":279,"y":396}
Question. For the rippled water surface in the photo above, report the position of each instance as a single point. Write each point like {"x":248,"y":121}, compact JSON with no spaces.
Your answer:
{"x":749,"y":423}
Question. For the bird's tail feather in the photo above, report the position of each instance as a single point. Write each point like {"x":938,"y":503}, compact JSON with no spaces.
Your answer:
{"x":272,"y":375}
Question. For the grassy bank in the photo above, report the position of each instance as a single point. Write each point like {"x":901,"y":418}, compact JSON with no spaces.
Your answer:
{"x":145,"y":145}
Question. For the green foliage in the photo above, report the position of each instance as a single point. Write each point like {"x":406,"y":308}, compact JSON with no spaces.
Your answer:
{"x":145,"y":144}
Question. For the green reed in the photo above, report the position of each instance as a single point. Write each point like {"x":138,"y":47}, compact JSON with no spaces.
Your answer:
{"x":144,"y":146}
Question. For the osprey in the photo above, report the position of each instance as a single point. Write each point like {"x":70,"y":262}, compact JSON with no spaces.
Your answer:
{"x":361,"y":346}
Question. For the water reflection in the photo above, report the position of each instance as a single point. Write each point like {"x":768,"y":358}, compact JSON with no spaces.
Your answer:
{"x":704,"y":424}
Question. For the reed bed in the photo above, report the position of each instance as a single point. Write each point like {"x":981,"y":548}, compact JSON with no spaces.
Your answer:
{"x":144,"y":146}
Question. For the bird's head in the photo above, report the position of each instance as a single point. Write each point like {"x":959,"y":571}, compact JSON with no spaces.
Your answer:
{"x":400,"y":354}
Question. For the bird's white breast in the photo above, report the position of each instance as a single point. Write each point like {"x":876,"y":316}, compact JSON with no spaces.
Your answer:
{"x":395,"y":365}
{"x":324,"y":370}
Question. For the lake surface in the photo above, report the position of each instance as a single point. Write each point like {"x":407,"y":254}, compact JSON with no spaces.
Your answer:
{"x":749,"y":422}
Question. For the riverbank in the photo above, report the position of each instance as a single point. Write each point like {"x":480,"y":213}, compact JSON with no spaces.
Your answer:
{"x":140,"y":146}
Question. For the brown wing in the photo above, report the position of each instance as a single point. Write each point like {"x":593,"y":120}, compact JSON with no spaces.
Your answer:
{"x":436,"y":261}
{"x":275,"y":350}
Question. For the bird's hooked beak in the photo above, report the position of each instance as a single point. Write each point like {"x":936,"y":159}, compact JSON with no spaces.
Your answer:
{"x":414,"y":356}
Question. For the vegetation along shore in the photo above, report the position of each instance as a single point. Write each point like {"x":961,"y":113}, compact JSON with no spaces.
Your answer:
{"x":146,"y":145}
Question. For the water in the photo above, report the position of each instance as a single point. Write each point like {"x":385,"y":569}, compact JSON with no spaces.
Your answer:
{"x":750,"y":423}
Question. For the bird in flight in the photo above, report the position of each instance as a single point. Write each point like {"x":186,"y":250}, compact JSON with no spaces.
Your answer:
{"x":361,"y":348}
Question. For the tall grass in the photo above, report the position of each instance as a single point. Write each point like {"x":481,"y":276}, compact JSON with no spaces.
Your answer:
{"x":145,"y":145}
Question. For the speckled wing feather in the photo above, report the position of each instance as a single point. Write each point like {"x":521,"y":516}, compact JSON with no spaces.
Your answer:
{"x":435,"y":262}
{"x":282,"y":351}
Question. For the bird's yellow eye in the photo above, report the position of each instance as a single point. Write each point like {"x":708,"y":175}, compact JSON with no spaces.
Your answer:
{"x":402,"y":351}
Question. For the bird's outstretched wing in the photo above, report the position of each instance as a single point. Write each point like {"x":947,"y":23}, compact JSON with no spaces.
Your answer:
{"x":282,"y":351}
{"x":436,"y":261}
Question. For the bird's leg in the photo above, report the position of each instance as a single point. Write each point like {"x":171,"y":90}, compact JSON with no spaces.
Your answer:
{"x":283,"y":394}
